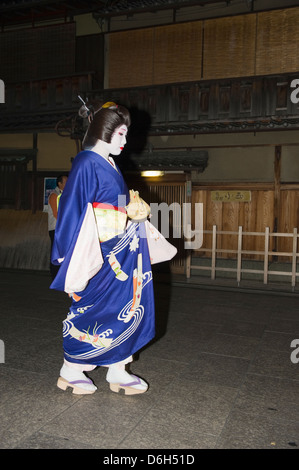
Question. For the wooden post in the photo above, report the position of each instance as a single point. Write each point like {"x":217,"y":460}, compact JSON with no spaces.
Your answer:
{"x":214,"y":242}
{"x":294,"y":257}
{"x":266,"y":256}
{"x":34,"y":172}
{"x":189,"y":253}
{"x":277,"y":174}
{"x":239,"y":259}
{"x":188,"y":199}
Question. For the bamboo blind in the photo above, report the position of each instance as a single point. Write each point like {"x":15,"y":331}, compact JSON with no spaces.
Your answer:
{"x":131,"y":58}
{"x":35,"y":53}
{"x":246,"y":45}
{"x":178,"y":53}
{"x":229,"y":47}
{"x":277,"y":42}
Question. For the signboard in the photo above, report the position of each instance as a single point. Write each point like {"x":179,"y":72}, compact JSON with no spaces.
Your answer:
{"x":231,"y":196}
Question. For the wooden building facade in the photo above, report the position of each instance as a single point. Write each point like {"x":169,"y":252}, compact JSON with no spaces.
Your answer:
{"x":225,"y":86}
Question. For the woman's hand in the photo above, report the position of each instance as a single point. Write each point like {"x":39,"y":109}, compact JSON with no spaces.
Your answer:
{"x":137,"y":209}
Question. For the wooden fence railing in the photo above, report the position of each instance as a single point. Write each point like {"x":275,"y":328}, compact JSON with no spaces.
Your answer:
{"x":240,"y":255}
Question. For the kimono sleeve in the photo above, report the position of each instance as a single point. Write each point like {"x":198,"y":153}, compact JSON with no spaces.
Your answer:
{"x":75,"y":215}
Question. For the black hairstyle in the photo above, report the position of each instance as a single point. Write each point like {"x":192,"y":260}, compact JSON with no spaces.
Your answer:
{"x":103,"y":120}
{"x":59,"y":178}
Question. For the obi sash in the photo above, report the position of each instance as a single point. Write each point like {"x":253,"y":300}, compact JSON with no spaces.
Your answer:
{"x":111,"y":220}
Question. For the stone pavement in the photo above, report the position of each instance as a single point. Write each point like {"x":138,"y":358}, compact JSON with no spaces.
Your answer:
{"x":219,"y":369}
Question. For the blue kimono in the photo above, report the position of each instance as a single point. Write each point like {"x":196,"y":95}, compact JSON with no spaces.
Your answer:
{"x":112,"y":316}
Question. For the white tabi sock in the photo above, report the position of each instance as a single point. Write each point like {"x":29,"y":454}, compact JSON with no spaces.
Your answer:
{"x":118,"y":375}
{"x":70,"y":374}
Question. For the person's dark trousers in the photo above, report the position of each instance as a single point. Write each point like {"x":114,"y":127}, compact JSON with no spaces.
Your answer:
{"x":53,"y":267}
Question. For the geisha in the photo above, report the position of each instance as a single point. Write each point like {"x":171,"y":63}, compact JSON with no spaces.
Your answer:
{"x":105,"y":246}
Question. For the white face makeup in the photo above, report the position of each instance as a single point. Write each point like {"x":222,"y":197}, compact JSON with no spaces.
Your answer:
{"x":116,"y":146}
{"x":118,"y":140}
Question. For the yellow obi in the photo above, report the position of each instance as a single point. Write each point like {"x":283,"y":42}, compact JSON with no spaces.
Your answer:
{"x":111,"y":220}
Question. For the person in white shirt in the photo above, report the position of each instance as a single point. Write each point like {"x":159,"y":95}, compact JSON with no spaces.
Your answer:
{"x":52,"y":215}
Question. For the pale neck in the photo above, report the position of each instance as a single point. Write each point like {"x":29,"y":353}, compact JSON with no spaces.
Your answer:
{"x":101,"y":148}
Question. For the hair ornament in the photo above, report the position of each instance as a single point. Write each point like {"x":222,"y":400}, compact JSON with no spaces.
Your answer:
{"x":84,"y":104}
{"x":88,"y":110}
